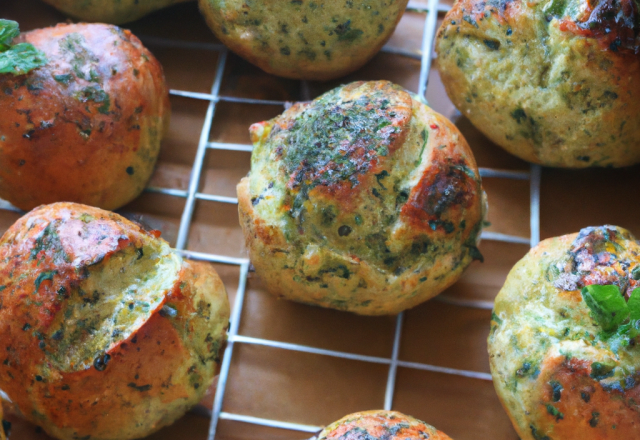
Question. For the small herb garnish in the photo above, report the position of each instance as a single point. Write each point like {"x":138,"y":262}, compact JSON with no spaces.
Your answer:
{"x":20,"y":58}
{"x":619,"y":319}
{"x":607,"y":305}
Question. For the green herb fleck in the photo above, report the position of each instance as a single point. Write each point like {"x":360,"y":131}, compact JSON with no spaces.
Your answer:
{"x":64,"y":79}
{"x":20,"y":58}
{"x":634,"y":305}
{"x":519,"y":115}
{"x":140,"y":388}
{"x":556,"y":390}
{"x":48,"y":275}
{"x":97,"y":95}
{"x":554,"y":412}
{"x":601,"y":371}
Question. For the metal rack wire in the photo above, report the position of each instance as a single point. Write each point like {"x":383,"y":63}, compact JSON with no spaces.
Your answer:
{"x":192,"y":195}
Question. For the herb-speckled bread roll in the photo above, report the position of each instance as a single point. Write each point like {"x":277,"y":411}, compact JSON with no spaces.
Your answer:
{"x":380,"y":425}
{"x":304,"y":39}
{"x":107,"y":332}
{"x":566,"y":362}
{"x":86,"y":127}
{"x":110,"y":11}
{"x":363,"y":200}
{"x":554,"y":82}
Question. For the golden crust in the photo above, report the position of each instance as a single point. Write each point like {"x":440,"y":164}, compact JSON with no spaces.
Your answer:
{"x":110,"y":11}
{"x":380,"y":425}
{"x":304,"y":39}
{"x":552,"y":82}
{"x":116,"y":358}
{"x":363,"y":200}
{"x":87,"y":126}
{"x":557,"y":375}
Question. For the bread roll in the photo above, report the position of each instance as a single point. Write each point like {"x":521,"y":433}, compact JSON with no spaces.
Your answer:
{"x":304,"y":39}
{"x":380,"y":425}
{"x":86,"y":127}
{"x":554,"y":82}
{"x":108,"y":333}
{"x":110,"y":11}
{"x":363,"y":200}
{"x":562,"y":368}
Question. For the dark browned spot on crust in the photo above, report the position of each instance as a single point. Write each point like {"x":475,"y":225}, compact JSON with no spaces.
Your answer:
{"x":614,"y":23}
{"x":595,"y":258}
{"x":340,"y":137}
{"x":590,"y":398}
{"x":447,"y":187}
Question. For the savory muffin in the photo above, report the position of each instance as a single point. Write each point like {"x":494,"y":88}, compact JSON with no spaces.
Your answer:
{"x":107,"y":332}
{"x":110,"y":11}
{"x":304,"y":39}
{"x":85,"y":127}
{"x":563,"y":345}
{"x":363,"y":200}
{"x":553,"y":82}
{"x":380,"y":425}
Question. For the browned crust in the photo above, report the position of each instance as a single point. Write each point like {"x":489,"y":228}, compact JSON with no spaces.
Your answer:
{"x":152,"y":363}
{"x":93,"y":134}
{"x":380,"y":425}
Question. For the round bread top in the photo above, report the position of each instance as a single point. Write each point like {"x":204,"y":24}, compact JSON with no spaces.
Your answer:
{"x":614,"y":24}
{"x":372,"y":173}
{"x":77,"y":280}
{"x":380,"y":425}
{"x":110,"y":11}
{"x":553,"y":82}
{"x":86,"y":126}
{"x":304,"y":39}
{"x":564,"y":363}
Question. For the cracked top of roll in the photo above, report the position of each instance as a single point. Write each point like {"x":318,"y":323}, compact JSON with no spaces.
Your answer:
{"x":365,"y":175}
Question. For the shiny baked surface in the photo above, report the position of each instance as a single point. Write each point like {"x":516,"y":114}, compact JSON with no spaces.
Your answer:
{"x":552,"y":82}
{"x":109,"y":333}
{"x":304,"y":39}
{"x":86,"y":127}
{"x":380,"y":425}
{"x":362,"y":200}
{"x":556,"y":372}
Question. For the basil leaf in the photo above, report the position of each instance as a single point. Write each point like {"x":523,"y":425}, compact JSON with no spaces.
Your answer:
{"x":634,"y":304}
{"x":607,"y":305}
{"x":21,"y":58}
{"x":8,"y":31}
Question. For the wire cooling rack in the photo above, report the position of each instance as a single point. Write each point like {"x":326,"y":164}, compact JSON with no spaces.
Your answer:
{"x":192,"y":195}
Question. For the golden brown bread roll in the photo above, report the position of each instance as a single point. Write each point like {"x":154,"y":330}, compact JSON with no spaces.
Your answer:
{"x":304,"y":39}
{"x":380,"y":425}
{"x":86,"y":127}
{"x":564,"y":353}
{"x":108,"y":333}
{"x":363,"y":200}
{"x":554,"y":82}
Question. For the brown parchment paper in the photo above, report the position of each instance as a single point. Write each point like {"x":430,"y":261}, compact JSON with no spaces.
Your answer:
{"x":311,"y":389}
